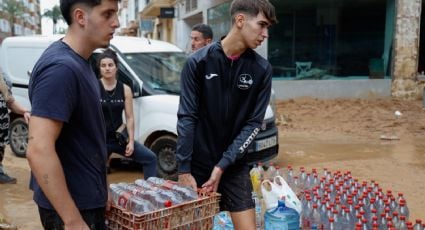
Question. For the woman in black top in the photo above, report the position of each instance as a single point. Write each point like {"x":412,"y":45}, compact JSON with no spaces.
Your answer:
{"x":116,"y":98}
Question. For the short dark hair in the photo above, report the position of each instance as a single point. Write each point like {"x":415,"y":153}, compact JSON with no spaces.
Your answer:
{"x":108,"y":53}
{"x":253,"y":8}
{"x":67,"y":5}
{"x":204,"y":29}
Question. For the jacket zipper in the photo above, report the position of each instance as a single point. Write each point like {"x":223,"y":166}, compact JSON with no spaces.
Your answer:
{"x":229,"y":87}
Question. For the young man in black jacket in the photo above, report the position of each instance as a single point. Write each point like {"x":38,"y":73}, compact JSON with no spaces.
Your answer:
{"x":225,"y":92}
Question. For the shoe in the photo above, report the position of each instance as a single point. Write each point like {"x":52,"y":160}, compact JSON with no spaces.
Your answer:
{"x":6,"y":179}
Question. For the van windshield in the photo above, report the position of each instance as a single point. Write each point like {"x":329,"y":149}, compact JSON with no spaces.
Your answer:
{"x":159,"y":70}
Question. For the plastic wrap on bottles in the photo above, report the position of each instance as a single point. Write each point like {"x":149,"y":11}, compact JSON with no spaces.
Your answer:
{"x":186,"y":192}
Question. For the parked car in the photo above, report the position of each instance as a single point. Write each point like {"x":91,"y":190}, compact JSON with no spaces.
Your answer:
{"x":151,"y":68}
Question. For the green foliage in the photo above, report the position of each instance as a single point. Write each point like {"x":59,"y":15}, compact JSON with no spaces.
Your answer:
{"x":55,"y":14}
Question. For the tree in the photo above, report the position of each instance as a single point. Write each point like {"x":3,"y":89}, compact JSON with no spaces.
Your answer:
{"x":55,"y":14}
{"x":14,"y":10}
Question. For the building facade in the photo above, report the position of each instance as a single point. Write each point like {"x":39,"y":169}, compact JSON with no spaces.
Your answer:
{"x":314,"y":39}
{"x":26,"y":21}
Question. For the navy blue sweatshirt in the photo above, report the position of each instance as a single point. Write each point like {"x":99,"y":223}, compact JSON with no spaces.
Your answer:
{"x":222,"y":107}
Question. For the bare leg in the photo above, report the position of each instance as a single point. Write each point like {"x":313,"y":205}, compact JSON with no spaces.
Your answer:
{"x":244,"y":220}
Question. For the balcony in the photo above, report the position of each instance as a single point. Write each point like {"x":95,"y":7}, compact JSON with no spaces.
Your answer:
{"x":153,"y":7}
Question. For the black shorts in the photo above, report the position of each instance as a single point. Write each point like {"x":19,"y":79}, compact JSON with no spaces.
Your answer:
{"x":235,"y":187}
{"x":94,"y":218}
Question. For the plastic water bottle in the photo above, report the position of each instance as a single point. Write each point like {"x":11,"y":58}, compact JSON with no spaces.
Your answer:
{"x":271,"y":171}
{"x":222,"y":221}
{"x":281,"y":218}
{"x":403,"y":210}
{"x":315,"y":218}
{"x":186,"y":192}
{"x":418,"y":225}
{"x":255,"y":179}
{"x":258,"y":214}
{"x":157,"y":195}
{"x":139,"y":205}
{"x":128,"y":201}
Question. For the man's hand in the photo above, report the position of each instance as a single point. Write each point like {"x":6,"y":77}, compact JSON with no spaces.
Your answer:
{"x":187,"y":180}
{"x":81,"y":225}
{"x":212,"y":184}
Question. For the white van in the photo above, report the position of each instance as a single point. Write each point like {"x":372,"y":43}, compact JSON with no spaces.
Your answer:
{"x":151,"y":68}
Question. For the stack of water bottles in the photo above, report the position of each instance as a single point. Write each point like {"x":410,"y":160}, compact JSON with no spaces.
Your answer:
{"x":330,"y":201}
{"x":150,"y":195}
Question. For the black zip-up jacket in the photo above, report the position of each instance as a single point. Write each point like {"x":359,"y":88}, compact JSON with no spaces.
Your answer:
{"x":222,"y":107}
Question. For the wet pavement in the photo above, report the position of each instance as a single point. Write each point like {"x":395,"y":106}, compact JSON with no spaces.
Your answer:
{"x":395,"y":165}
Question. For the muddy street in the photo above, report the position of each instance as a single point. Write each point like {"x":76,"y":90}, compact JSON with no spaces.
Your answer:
{"x":334,"y":134}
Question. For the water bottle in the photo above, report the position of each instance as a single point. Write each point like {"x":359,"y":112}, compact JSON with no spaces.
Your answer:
{"x":120,"y":197}
{"x":271,"y":171}
{"x":418,"y":225}
{"x":186,"y":192}
{"x":157,"y":199}
{"x":255,"y":179}
{"x":126,"y":200}
{"x":403,"y":210}
{"x":258,"y":214}
{"x":139,"y":205}
{"x":402,"y":223}
{"x":222,"y":221}
{"x":281,"y":218}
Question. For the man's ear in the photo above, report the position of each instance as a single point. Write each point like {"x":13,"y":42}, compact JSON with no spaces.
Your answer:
{"x":209,"y":40}
{"x":239,"y":20}
{"x":79,"y":16}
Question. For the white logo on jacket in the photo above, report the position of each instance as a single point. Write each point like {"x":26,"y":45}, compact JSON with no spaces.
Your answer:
{"x":211,"y":76}
{"x":245,"y":81}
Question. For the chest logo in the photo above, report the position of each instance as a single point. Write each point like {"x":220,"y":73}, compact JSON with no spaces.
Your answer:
{"x":211,"y":76}
{"x":245,"y":81}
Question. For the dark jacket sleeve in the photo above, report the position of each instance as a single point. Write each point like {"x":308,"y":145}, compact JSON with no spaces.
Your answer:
{"x":252,"y":126}
{"x":187,"y":115}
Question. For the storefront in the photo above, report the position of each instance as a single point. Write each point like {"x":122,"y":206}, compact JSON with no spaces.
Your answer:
{"x":327,"y":39}
{"x":336,"y":39}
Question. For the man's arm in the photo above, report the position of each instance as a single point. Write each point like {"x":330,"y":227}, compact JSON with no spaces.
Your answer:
{"x":187,"y":117}
{"x":48,"y":171}
{"x":129,"y":119}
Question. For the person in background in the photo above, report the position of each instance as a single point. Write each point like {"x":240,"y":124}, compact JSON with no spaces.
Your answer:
{"x":66,"y":142}
{"x":200,"y":36}
{"x":7,"y":102}
{"x":225,"y":90}
{"x":117,"y":97}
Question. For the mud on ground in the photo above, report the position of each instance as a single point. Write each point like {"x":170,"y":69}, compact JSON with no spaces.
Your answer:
{"x":347,"y":135}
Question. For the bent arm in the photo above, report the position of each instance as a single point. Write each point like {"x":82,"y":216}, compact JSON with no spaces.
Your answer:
{"x":129,"y":115}
{"x":47,"y":169}
{"x":187,"y":116}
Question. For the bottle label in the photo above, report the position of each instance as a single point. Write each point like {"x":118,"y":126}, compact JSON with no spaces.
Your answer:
{"x":123,"y":199}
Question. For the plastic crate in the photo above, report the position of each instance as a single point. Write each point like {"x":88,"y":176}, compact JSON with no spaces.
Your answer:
{"x":196,"y":214}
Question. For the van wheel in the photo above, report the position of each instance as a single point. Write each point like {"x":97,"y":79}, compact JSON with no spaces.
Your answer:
{"x":165,"y":149}
{"x":18,"y":137}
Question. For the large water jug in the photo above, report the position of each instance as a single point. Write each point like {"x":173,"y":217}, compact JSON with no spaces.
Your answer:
{"x":281,"y":218}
